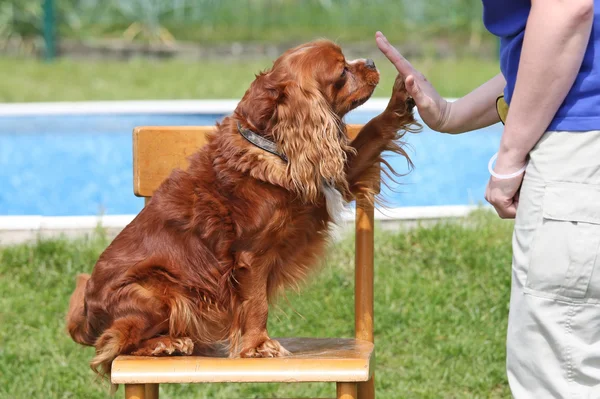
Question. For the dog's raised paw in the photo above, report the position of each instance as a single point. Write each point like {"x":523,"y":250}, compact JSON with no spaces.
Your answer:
{"x":400,"y":103}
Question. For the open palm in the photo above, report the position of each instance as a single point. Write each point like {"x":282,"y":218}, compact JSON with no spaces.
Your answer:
{"x":433,"y":109}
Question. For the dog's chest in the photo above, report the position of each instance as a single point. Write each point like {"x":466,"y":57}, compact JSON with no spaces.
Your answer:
{"x":335,"y":203}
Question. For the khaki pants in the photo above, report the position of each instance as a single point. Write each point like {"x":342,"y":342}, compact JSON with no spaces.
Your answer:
{"x":553,"y":339}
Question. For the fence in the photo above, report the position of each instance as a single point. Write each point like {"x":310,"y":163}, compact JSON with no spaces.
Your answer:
{"x":239,"y":20}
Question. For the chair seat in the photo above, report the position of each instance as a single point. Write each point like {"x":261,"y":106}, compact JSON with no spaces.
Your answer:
{"x":312,"y":360}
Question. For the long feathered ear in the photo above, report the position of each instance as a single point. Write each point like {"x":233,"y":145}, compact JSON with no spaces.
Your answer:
{"x":257,"y":106}
{"x":311,"y":136}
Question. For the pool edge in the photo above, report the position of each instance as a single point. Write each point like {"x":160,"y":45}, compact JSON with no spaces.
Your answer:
{"x":224,"y":106}
{"x":26,"y":228}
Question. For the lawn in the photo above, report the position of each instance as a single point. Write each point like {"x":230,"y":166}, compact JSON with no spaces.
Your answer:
{"x":441,"y":302}
{"x":28,"y":80}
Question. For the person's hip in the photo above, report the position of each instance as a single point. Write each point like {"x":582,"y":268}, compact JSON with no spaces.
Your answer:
{"x":557,"y":227}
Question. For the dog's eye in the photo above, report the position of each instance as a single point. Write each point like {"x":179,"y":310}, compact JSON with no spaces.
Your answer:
{"x":344,"y":72}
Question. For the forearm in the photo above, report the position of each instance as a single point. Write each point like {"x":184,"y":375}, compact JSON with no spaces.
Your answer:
{"x":556,"y":38}
{"x":475,"y":110}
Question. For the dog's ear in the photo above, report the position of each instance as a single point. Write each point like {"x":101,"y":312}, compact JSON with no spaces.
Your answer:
{"x":258,"y":104}
{"x":309,"y":133}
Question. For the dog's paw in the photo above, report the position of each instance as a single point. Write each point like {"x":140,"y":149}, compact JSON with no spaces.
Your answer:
{"x":400,"y":102}
{"x":165,"y":346}
{"x":269,"y":348}
{"x":177,"y":346}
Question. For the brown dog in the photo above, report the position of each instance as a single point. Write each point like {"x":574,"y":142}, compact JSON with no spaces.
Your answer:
{"x":249,"y":216}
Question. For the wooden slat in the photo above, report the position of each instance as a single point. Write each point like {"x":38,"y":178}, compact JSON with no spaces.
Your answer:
{"x":152,"y":391}
{"x":364,"y":270}
{"x":364,"y":280}
{"x":135,"y":391}
{"x":312,"y":360}
{"x":346,"y":390}
{"x":366,"y":390}
{"x":159,"y":150}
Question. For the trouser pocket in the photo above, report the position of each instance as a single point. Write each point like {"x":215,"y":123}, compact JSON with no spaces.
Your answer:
{"x":564,"y":255}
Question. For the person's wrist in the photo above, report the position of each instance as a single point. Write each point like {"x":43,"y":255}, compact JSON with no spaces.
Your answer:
{"x":510,"y":160}
{"x":448,"y":122}
{"x":444,"y":124}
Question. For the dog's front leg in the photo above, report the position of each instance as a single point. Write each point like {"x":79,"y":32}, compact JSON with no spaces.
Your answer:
{"x":250,"y":337}
{"x":378,"y":135}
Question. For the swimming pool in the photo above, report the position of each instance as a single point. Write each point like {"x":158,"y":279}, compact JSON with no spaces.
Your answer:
{"x":57,"y":164}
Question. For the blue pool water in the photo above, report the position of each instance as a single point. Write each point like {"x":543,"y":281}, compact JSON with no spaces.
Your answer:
{"x":82,"y":165}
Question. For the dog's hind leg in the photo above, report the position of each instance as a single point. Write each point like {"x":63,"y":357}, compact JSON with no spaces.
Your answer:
{"x":76,"y":320}
{"x":124,"y":336}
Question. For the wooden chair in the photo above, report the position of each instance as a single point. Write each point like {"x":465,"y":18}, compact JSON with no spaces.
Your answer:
{"x":347,"y":362}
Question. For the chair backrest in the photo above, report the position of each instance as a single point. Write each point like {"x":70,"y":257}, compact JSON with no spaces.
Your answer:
{"x":159,"y":150}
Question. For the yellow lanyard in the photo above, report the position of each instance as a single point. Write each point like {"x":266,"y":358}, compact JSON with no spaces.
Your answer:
{"x":502,"y":108}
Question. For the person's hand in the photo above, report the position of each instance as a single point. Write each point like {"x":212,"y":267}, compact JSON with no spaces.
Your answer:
{"x":433,"y":109}
{"x":503,"y":194}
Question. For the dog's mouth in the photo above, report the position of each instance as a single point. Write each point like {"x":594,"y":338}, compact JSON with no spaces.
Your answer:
{"x":350,"y":105}
{"x":357,"y":97}
{"x":358,"y":102}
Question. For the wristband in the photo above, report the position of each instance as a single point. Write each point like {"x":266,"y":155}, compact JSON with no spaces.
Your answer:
{"x":504,"y":177}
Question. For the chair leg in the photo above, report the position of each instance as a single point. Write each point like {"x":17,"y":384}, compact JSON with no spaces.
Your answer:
{"x":366,"y":390}
{"x":346,"y":390}
{"x":135,"y":391}
{"x":151,"y":391}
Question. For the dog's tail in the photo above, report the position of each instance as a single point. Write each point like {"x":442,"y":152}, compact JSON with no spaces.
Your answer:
{"x":76,"y":318}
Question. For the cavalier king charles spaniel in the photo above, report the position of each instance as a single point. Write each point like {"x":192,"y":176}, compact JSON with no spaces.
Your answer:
{"x":200,"y":263}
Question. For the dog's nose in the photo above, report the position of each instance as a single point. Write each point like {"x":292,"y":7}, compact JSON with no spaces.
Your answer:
{"x":370,"y":64}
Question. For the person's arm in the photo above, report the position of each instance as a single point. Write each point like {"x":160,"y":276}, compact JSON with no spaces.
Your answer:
{"x":477,"y":109}
{"x":473,"y":111}
{"x":556,"y":37}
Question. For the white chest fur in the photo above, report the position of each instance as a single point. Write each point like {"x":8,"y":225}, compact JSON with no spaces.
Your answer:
{"x":335,"y":203}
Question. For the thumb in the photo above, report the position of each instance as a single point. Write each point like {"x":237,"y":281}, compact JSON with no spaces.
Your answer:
{"x":413,"y":88}
{"x":509,"y":212}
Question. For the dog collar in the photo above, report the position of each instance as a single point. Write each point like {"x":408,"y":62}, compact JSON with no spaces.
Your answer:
{"x":260,"y":142}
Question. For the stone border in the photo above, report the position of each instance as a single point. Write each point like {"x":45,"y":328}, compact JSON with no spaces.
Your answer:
{"x":146,"y":107}
{"x":21,"y":229}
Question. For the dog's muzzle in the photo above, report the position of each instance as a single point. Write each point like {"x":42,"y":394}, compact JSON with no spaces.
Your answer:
{"x":369,"y":63}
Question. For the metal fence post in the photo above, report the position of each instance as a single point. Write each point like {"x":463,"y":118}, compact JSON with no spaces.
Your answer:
{"x":49,"y":30}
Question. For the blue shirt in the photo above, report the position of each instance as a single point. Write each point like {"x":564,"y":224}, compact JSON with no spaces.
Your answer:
{"x":580,"y":111}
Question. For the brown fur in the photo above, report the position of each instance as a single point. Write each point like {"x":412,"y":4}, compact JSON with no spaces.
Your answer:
{"x":202,"y":260}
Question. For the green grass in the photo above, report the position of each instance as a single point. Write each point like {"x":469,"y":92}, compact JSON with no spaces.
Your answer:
{"x":441,"y":303}
{"x":67,"y":80}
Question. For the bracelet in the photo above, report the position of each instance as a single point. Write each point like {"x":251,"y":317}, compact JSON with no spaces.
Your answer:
{"x":504,"y":177}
